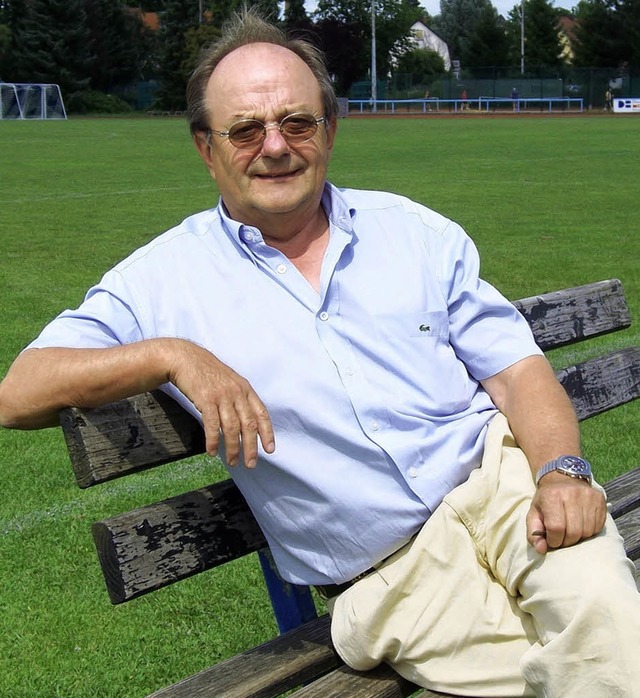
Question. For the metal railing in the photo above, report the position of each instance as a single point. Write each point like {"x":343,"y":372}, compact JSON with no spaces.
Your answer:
{"x":486,"y":104}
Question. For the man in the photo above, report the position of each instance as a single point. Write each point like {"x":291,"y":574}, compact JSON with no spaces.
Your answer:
{"x":340,"y":346}
{"x":608,"y":100}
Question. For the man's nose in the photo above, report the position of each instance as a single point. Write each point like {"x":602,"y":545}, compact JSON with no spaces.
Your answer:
{"x":274,"y":140}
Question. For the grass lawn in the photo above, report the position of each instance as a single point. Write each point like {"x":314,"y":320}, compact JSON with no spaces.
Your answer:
{"x":550,"y":202}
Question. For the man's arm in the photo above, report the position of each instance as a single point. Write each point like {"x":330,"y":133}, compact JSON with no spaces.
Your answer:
{"x":564,"y":510}
{"x":43,"y":381}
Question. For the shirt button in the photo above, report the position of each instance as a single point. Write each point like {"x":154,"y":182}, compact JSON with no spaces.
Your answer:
{"x":248,"y":236}
{"x":413,"y":472}
{"x":281,"y":268}
{"x":375,"y":426}
{"x":324,"y":316}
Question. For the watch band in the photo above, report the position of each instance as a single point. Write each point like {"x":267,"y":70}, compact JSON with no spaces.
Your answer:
{"x":571,"y":466}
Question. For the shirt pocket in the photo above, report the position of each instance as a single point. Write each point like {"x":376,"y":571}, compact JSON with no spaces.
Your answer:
{"x":397,"y":327}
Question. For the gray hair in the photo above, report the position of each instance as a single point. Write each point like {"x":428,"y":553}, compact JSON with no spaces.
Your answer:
{"x":249,"y":28}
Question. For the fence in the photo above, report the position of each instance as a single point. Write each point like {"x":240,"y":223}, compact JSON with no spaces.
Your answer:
{"x":478,"y":104}
{"x":588,"y":84}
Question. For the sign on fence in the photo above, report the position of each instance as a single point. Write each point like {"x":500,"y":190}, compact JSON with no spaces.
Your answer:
{"x":626,"y":105}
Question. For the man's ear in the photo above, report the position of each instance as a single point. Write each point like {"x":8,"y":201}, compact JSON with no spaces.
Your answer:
{"x":203,"y":147}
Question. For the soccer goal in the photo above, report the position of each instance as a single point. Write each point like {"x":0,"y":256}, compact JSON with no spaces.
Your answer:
{"x":30,"y":100}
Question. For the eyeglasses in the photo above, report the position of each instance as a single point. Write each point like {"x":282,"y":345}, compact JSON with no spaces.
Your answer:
{"x":250,"y":133}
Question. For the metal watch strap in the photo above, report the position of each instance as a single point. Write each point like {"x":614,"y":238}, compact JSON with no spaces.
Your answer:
{"x":569,"y":465}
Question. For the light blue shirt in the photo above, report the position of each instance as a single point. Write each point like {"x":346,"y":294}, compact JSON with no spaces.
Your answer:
{"x":371,"y":385}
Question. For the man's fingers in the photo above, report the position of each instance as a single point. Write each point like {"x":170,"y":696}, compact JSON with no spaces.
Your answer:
{"x":211,"y":426}
{"x":242,"y":423}
{"x":264,"y":426}
{"x":536,"y":532}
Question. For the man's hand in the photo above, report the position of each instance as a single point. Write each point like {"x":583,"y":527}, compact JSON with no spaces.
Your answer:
{"x":563,"y":512}
{"x":227,"y":402}
{"x":43,"y":381}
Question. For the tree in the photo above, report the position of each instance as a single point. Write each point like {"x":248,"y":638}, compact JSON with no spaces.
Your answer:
{"x":345,"y":47}
{"x":630,"y":12}
{"x":52,"y":44}
{"x":456,"y":24}
{"x":223,"y":10}
{"x":179,"y":16}
{"x":296,"y":19}
{"x":5,"y":49}
{"x":488,"y":44}
{"x":542,"y":45}
{"x":607,"y":33}
{"x":116,"y":37}
{"x":422,"y":62}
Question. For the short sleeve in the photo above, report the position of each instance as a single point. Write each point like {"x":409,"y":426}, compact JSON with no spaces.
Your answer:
{"x":106,"y":318}
{"x":486,"y":331}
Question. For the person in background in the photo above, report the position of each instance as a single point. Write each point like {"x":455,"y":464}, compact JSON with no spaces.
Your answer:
{"x":403,"y":442}
{"x":515,"y":99}
{"x":608,"y":100}
{"x":464,"y":96}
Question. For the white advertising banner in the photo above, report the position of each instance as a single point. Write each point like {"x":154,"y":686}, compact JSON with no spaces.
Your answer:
{"x":626,"y":105}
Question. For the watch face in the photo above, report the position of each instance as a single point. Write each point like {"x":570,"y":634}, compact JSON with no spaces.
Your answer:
{"x":575,"y":465}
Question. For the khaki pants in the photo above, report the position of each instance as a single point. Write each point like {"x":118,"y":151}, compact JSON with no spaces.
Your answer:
{"x":470,"y":608}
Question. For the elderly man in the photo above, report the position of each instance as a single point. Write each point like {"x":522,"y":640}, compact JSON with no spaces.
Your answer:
{"x":405,"y":445}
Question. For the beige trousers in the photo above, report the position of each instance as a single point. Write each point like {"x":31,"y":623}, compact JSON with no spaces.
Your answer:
{"x":470,"y":608}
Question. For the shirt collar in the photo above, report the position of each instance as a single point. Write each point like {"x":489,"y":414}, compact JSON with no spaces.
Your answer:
{"x":339,"y":213}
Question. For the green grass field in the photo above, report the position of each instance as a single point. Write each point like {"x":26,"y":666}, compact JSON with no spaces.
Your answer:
{"x":550,"y":202}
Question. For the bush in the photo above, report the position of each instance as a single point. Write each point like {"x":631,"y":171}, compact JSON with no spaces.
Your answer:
{"x":92,"y":102}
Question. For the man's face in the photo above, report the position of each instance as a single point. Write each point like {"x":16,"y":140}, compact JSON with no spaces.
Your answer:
{"x":276,"y":181}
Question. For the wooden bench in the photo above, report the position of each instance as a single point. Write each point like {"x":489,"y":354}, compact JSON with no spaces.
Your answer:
{"x":162,"y":543}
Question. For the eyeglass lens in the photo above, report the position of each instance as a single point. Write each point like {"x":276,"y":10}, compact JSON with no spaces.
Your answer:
{"x":296,"y":128}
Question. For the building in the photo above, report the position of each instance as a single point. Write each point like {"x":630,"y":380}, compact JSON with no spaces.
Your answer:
{"x":426,"y":39}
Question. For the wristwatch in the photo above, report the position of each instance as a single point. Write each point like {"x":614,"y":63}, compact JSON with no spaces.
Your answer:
{"x":573,"y":466}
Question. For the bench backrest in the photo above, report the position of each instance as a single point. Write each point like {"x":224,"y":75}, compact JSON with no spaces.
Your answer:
{"x":158,"y":544}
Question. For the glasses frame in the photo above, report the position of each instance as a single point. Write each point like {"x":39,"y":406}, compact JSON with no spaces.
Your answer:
{"x":266,"y":125}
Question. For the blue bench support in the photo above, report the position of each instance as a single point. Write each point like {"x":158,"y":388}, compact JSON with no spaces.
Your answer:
{"x":292,"y":604}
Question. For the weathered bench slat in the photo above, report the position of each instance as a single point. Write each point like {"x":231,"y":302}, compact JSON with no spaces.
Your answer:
{"x":629,"y":527}
{"x":600,"y":384}
{"x":152,"y":546}
{"x":623,"y":492}
{"x":381,"y":682}
{"x":130,"y":435}
{"x":573,"y":314}
{"x":268,"y":670}
{"x":151,"y":429}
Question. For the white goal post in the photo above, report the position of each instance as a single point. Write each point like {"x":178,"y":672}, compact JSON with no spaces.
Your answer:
{"x":31,"y":100}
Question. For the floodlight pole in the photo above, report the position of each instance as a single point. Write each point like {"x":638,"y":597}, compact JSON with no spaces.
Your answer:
{"x":522,"y":37}
{"x":374,"y":77}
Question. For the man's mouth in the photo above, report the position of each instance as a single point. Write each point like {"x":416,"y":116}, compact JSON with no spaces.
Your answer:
{"x":275,"y":176}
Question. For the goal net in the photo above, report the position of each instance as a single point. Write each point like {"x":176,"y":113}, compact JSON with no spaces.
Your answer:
{"x":31,"y":101}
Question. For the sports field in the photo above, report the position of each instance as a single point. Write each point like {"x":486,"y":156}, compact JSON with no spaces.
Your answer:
{"x":551,"y":202}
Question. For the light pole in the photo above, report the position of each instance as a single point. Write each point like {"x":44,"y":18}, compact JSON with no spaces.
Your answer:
{"x":374,"y":77}
{"x":522,"y":37}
